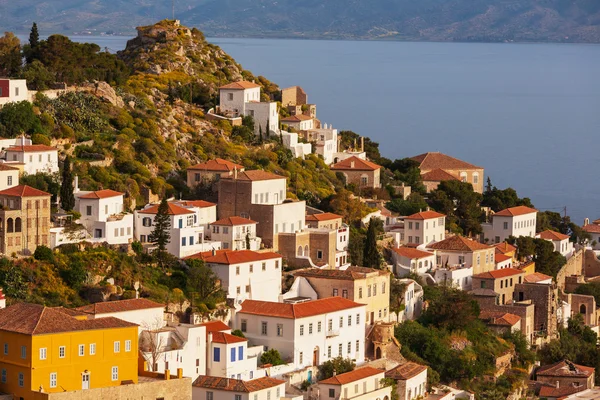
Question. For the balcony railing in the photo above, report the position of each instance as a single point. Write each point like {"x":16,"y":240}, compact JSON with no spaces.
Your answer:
{"x":333,"y":332}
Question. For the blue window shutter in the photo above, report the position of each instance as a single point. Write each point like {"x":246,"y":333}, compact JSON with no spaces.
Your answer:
{"x":217,"y":355}
{"x":233,"y":354}
{"x":241,"y":353}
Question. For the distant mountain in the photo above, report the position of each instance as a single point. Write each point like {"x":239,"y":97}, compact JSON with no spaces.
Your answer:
{"x":433,"y":20}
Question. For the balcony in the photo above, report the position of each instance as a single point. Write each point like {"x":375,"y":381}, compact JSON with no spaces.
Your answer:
{"x":333,"y":332}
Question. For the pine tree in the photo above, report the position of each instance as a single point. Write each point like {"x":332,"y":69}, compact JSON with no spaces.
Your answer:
{"x":34,"y":37}
{"x":247,"y":241}
{"x":488,"y":186}
{"x":67,"y":199}
{"x":260,"y":133}
{"x":161,"y":235}
{"x":371,"y":255}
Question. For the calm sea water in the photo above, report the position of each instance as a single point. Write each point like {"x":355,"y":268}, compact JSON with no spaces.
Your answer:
{"x":528,"y":113}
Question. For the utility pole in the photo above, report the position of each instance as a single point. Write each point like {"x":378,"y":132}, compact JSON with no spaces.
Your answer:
{"x":173,"y":8}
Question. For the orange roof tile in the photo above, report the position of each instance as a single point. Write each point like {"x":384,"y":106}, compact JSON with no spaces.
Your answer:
{"x":296,"y":118}
{"x":4,"y":167}
{"x":323,"y":217}
{"x":240,"y":256}
{"x":240,"y":85}
{"x":174,"y":209}
{"x":298,"y":310}
{"x":405,"y":371}
{"x":499,"y":273}
{"x":501,"y":258}
{"x":553,"y":235}
{"x":232,"y":221}
{"x":195,"y":203}
{"x":589,"y":228}
{"x":203,"y":255}
{"x":256,"y":175}
{"x":217,"y":165}
{"x":566,"y":369}
{"x":101,"y":194}
{"x":437,"y":160}
{"x":500,"y":318}
{"x":438,"y":175}
{"x":32,"y":148}
{"x":504,"y":248}
{"x":355,"y":163}
{"x":119,"y":306}
{"x":411,"y":253}
{"x":215,"y":326}
{"x":23,"y":191}
{"x":536,"y":277}
{"x":559,"y":392}
{"x":236,"y":385}
{"x":515,"y":211}
{"x":425,"y":215}
{"x":226,"y":338}
{"x":352,"y":376}
{"x":351,"y":273}
{"x":458,"y":243}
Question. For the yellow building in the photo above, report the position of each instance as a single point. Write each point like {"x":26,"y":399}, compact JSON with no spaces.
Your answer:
{"x":53,"y":350}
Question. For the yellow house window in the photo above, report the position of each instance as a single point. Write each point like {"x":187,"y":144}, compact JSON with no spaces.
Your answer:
{"x":128,"y":345}
{"x":53,"y":379}
{"x":43,"y":353}
{"x":61,"y":352}
{"x":81,"y":350}
{"x":92,"y":349}
{"x":115,"y":372}
{"x":117,"y":347}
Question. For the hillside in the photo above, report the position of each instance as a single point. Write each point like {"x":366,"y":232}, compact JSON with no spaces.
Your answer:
{"x":433,"y":20}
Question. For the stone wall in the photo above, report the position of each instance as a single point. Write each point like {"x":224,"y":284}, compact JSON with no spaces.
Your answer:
{"x":574,"y":266}
{"x":591,"y":264}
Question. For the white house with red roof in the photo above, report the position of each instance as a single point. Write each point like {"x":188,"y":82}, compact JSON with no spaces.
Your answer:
{"x":211,"y":170}
{"x":218,"y":388}
{"x":513,"y":221}
{"x":362,"y":173}
{"x":13,"y":91}
{"x":424,"y":227}
{"x":409,"y":260}
{"x":235,"y":233}
{"x":411,"y":380}
{"x":503,"y":261}
{"x":306,"y":333}
{"x":360,"y":384}
{"x":143,"y":312}
{"x":299,"y":122}
{"x":561,"y":242}
{"x":594,"y":230}
{"x":246,"y":274}
{"x":35,"y":158}
{"x":9,"y":176}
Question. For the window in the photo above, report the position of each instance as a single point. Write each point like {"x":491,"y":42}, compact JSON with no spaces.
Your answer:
{"x":209,"y":395}
{"x":145,"y":221}
{"x":483,"y":284}
{"x":3,"y":375}
{"x":23,"y":352}
{"x":360,"y":293}
{"x":330,"y":325}
{"x":238,"y":397}
{"x":53,"y":379}
{"x":5,"y":349}
{"x":301,"y":358}
{"x":276,"y":264}
{"x":183,"y":241}
{"x":263,"y":328}
{"x":217,"y":354}
{"x":335,"y":292}
{"x":230,"y":96}
{"x":410,"y":225}
{"x":357,"y":319}
{"x":237,"y":270}
{"x":244,"y":325}
{"x":279,"y":329}
{"x":233,"y":353}
{"x":61,"y":352}
{"x":301,"y":330}
{"x":241,"y":353}
{"x":251,"y":268}
{"x":9,"y":180}
{"x":88,"y":210}
{"x":115,"y":373}
{"x":21,"y":379}
{"x":349,"y":320}
{"x":81,"y":350}
{"x":349,"y":347}
{"x":92,"y":349}
{"x":369,"y":291}
{"x":128,"y":345}
{"x":417,"y":225}
{"x":332,"y":393}
{"x":375,"y":290}
{"x":319,"y":254}
{"x":43,"y":353}
{"x":339,"y":349}
{"x":329,"y":351}
{"x":319,"y":326}
{"x":341,"y":322}
{"x":357,"y":345}
{"x":117,"y":347}
{"x":264,"y":266}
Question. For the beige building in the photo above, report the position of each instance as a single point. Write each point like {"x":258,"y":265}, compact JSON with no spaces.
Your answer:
{"x":360,"y":384}
{"x":211,"y":170}
{"x":24,"y":220}
{"x":461,"y":251}
{"x":501,"y":281}
{"x":411,"y":380}
{"x":324,"y":220}
{"x":461,"y":170}
{"x":359,"y":172}
{"x":293,"y":96}
{"x":361,"y":285}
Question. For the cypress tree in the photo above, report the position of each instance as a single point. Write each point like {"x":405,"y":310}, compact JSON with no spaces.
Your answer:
{"x":67,"y":199}
{"x":161,"y":235}
{"x":371,"y":255}
{"x":247,"y":241}
{"x":34,"y":37}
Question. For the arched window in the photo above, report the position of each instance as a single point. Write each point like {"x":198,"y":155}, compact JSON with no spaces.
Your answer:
{"x":463,"y":176}
{"x":17,"y":224}
{"x":147,"y":221}
{"x":306,"y":250}
{"x":299,"y":251}
{"x":420,"y":264}
{"x":475,"y":178}
{"x":9,"y":225}
{"x":582,"y":309}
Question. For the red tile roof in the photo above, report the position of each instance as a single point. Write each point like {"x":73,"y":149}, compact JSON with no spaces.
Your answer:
{"x":215,"y":326}
{"x":217,"y":165}
{"x":296,"y":118}
{"x":437,"y":160}
{"x":298,"y":310}
{"x":515,"y":211}
{"x":438,"y":175}
{"x":101,"y":194}
{"x":499,"y":273}
{"x":240,"y":256}
{"x":589,"y":228}
{"x":240,"y":85}
{"x":107,"y":307}
{"x":501,"y":258}
{"x":32,"y":148}
{"x":236,"y":385}
{"x":500,"y":318}
{"x":204,"y":255}
{"x":425,"y":215}
{"x":356,"y":164}
{"x":256,"y":175}
{"x":536,"y":277}
{"x":553,"y":235}
{"x":174,"y":209}
{"x":405,"y":371}
{"x":565,"y":369}
{"x":411,"y":253}
{"x":352,"y":376}
{"x":504,"y":248}
{"x":323,"y":217}
{"x":226,"y":338}
{"x":232,"y":221}
{"x":351,"y":273}
{"x":195,"y":203}
{"x":35,"y":319}
{"x":458,"y":243}
{"x":23,"y":191}
{"x":4,"y":167}
{"x":559,"y":392}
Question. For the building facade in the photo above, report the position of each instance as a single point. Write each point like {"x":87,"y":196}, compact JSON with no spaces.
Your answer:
{"x":359,"y":172}
{"x":35,"y":158}
{"x":514,"y":221}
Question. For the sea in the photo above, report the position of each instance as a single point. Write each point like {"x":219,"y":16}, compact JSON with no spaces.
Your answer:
{"x":528,"y":113}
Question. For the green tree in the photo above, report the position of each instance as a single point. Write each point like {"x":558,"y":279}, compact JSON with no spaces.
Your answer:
{"x":67,"y":199}
{"x":272,"y":357}
{"x":11,"y":58}
{"x":43,"y":253}
{"x":203,"y":285}
{"x":498,"y":199}
{"x":460,"y":204}
{"x":238,"y":333}
{"x":34,"y":44}
{"x":18,"y":118}
{"x":161,"y":235}
{"x":371,"y":255}
{"x":413,"y":204}
{"x":339,"y":365}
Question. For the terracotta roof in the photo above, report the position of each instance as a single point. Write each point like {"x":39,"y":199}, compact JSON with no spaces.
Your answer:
{"x":232,"y":221}
{"x":501,"y":258}
{"x":483,"y":292}
{"x":515,"y":211}
{"x":174,"y":209}
{"x":500,"y":318}
{"x":240,"y":256}
{"x":203,"y":255}
{"x":236,"y":385}
{"x":240,"y":85}
{"x":438,"y":175}
{"x":425,"y":215}
{"x":323,"y":217}
{"x":119,"y":306}
{"x":411,"y":253}
{"x":101,"y":194}
{"x":32,"y":148}
{"x":499,"y":273}
{"x":590,"y":228}
{"x":355,"y":163}
{"x":565,"y":369}
{"x":504,"y":248}
{"x":298,"y":310}
{"x":352,"y":376}
{"x":553,"y":235}
{"x":536,"y":277}
{"x":218,"y":165}
{"x":215,"y":326}
{"x":405,"y":371}
{"x":437,"y":160}
{"x":195,"y":203}
{"x":35,"y":319}
{"x":256,"y":175}
{"x":349,"y":274}
{"x":458,"y":243}
{"x":4,"y":167}
{"x":23,"y":191}
{"x":296,"y":118}
{"x":559,"y":392}
{"x":227,"y":338}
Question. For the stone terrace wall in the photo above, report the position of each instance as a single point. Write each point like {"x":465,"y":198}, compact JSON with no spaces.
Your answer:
{"x":591,"y":264}
{"x":574,"y":266}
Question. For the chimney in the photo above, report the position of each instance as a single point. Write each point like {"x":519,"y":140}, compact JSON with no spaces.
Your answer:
{"x":586,"y":221}
{"x":557,"y":384}
{"x":214,"y":252}
{"x":179,"y":373}
{"x":351,"y":164}
{"x":76,"y":184}
{"x":234,"y":172}
{"x":23,"y":140}
{"x":167,"y":375}
{"x":362,"y":143}
{"x":209,"y":338}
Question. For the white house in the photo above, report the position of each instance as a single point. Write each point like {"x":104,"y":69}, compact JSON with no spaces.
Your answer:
{"x":9,"y":176}
{"x":514,"y":221}
{"x":16,"y":141}
{"x":326,"y":142}
{"x":235,"y":233}
{"x":360,"y":384}
{"x":413,"y":299}
{"x":299,"y":122}
{"x":290,"y":141}
{"x":265,"y":115}
{"x":411,"y":380}
{"x":246,"y":274}
{"x":218,"y":388}
{"x":561,"y":242}
{"x":424,"y":228}
{"x":594,"y":230}
{"x":503,"y":261}
{"x":306,"y":333}
{"x":146,"y":313}
{"x":35,"y":158}
{"x":459,"y":251}
{"x":13,"y":90}
{"x":409,"y":260}
{"x":104,"y":217}
{"x":457,"y":276}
